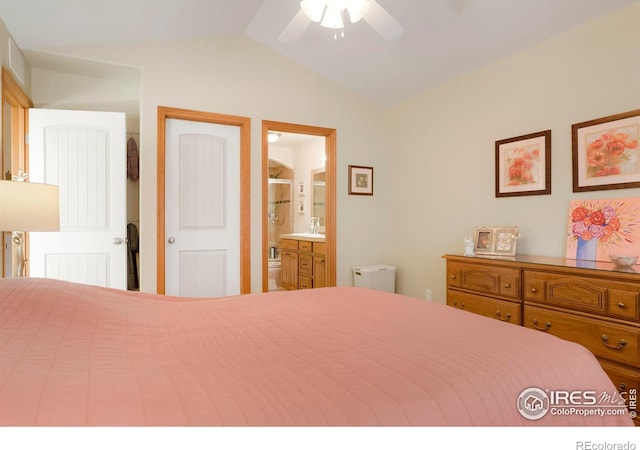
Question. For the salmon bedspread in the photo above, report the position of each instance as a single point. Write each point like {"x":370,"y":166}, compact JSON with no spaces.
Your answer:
{"x":78,"y":355}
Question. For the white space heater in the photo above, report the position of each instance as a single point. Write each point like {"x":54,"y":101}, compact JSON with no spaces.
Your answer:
{"x":375,"y":276}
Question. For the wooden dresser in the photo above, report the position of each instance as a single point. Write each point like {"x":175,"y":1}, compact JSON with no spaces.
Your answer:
{"x":591,"y":303}
{"x":302,"y":263}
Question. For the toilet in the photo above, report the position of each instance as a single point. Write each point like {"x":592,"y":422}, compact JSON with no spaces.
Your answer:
{"x":274,"y":275}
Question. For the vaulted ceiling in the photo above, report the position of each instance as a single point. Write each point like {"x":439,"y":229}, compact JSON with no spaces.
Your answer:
{"x":442,"y":39}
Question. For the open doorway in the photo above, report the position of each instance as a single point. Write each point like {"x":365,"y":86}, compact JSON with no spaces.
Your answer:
{"x":298,"y":203}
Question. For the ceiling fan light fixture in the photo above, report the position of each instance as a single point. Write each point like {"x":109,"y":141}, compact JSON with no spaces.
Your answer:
{"x":357,"y":9}
{"x":332,"y":18}
{"x":313,"y":9}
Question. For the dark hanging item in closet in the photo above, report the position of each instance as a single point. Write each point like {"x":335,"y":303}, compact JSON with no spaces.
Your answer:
{"x":132,"y":263}
{"x":132,"y":159}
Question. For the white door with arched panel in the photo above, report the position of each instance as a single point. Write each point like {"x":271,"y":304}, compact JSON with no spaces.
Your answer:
{"x":84,"y":153}
{"x":202,"y":218}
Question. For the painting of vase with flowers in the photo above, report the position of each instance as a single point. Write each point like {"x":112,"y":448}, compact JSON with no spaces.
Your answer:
{"x":599,"y":228}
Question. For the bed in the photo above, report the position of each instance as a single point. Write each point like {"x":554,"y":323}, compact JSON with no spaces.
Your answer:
{"x":78,"y":355}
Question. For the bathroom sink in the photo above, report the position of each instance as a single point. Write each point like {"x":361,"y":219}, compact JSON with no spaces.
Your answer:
{"x":303,"y":236}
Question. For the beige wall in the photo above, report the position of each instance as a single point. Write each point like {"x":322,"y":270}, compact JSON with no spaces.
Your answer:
{"x":444,"y":182}
{"x":239,"y":77}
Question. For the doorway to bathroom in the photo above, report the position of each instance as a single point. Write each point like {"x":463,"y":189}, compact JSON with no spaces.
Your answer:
{"x":298,"y":195}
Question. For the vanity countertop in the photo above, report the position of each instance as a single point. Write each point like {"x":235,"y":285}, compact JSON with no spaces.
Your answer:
{"x":304,"y":237}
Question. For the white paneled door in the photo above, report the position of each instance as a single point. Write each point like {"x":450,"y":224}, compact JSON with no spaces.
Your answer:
{"x":84,"y":153}
{"x":202,"y":209}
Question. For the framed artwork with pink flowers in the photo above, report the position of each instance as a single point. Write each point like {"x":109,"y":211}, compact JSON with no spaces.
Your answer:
{"x":599,"y":228}
{"x":523,"y":165}
{"x":605,"y":153}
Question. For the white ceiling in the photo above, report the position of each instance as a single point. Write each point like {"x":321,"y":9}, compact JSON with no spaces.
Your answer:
{"x":443,"y":39}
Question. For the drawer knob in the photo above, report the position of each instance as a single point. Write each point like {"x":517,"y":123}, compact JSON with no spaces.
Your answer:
{"x":546,"y":325}
{"x":455,"y":305}
{"x":534,"y":290}
{"x":622,"y":387}
{"x":505,"y":318}
{"x":605,"y":341}
{"x":453,"y":277}
{"x":507,"y":285}
{"x":621,"y":305}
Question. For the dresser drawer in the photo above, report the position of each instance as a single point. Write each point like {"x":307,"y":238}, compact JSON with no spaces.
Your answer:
{"x":600,"y":296}
{"x":486,"y":279}
{"x":496,"y":309}
{"x":626,"y":381}
{"x":305,"y":246}
{"x":623,"y":378}
{"x":606,"y":340}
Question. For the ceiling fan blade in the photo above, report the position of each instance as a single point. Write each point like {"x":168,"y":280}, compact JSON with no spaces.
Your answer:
{"x":294,"y":30}
{"x":381,"y":21}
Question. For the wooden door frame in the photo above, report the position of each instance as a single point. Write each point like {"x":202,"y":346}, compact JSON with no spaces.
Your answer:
{"x":244,"y":123}
{"x":330,"y":214}
{"x":20,"y":103}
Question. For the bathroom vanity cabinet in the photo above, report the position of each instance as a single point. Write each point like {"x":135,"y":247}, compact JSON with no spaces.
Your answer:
{"x":302,"y":262}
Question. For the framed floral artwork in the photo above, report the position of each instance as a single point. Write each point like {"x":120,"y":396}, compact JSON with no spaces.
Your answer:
{"x":360,"y":180}
{"x":605,"y":153}
{"x":523,"y":165}
{"x":603,"y":227}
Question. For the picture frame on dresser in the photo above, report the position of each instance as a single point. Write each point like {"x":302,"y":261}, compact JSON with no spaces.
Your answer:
{"x":483,"y":240}
{"x":523,"y":165}
{"x":505,"y":241}
{"x":605,"y":152}
{"x":496,"y":241}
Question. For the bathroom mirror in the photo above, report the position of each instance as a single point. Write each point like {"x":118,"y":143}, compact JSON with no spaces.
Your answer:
{"x":318,"y":202}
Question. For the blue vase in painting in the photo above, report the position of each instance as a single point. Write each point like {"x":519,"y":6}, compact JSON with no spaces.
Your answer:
{"x":587,"y":249}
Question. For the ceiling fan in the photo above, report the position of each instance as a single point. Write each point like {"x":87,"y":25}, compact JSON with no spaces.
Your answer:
{"x":331,"y":14}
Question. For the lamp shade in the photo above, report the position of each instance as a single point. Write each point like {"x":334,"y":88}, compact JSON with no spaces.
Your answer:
{"x":29,"y":206}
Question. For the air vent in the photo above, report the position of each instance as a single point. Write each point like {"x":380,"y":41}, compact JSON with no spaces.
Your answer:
{"x":16,"y":60}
